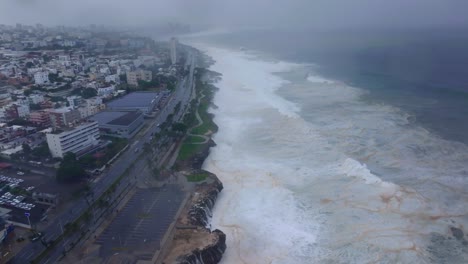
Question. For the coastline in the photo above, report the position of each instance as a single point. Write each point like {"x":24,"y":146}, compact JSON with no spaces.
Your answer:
{"x":193,"y":241}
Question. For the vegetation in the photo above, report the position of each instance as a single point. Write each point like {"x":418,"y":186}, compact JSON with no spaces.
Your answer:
{"x":26,"y":149}
{"x":54,"y":77}
{"x":191,"y":145}
{"x":188,"y":149}
{"x":70,"y":171}
{"x":90,"y":161}
{"x":88,"y":93}
{"x":19,"y":122}
{"x":197,"y":177}
{"x":41,"y":151}
{"x":179,"y":127}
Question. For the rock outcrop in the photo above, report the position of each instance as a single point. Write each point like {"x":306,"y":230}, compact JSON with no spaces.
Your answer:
{"x":200,"y":212}
{"x":211,"y":254}
{"x":194,"y":242}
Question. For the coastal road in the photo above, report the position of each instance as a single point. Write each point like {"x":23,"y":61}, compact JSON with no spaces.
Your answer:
{"x":181,"y":94}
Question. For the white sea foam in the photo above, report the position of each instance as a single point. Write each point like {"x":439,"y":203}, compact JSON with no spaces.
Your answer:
{"x":318,"y":79}
{"x":298,"y":188}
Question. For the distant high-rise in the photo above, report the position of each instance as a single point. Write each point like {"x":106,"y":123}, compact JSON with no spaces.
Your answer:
{"x":174,"y":43}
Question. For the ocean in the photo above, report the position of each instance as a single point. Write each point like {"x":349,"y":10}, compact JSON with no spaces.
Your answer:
{"x":337,"y":153}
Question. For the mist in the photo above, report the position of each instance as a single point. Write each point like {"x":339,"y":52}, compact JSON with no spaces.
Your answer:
{"x":319,"y":14}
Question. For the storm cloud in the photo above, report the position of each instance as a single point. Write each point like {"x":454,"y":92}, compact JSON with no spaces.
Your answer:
{"x":238,"y":13}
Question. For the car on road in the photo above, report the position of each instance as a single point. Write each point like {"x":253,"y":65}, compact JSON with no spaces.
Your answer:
{"x":20,"y":173}
{"x":36,"y":236}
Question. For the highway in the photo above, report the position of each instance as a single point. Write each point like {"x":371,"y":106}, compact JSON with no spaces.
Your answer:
{"x":182,"y":93}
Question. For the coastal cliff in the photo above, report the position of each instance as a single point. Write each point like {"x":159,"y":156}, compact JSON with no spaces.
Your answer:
{"x":204,"y":200}
{"x":194,"y":242}
{"x":211,"y":254}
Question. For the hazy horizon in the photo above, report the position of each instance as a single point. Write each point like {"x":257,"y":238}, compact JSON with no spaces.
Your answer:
{"x":321,"y":15}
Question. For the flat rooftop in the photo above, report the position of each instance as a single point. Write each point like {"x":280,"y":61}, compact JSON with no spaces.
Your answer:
{"x":118,"y":118}
{"x":135,"y":99}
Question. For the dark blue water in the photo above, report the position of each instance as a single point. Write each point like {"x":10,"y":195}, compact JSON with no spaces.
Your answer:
{"x":423,"y":71}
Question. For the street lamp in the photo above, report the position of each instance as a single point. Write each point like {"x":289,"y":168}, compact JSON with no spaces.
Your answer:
{"x":27,"y":216}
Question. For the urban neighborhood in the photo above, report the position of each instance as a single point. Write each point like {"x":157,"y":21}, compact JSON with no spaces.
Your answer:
{"x":79,"y":109}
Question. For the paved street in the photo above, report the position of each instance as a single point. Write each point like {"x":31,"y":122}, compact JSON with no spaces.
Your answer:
{"x":142,"y":223}
{"x":181,"y":94}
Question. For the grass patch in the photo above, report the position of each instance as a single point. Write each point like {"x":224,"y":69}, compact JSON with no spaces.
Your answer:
{"x":193,"y":140}
{"x":188,"y":150}
{"x":208,"y":124}
{"x":198,"y":177}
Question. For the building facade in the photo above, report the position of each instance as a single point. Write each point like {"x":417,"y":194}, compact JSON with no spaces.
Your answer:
{"x":77,"y":140}
{"x":64,"y":117}
{"x":173,"y":49}
{"x":134,"y":76}
{"x":40,"y":118}
{"x":41,"y":78}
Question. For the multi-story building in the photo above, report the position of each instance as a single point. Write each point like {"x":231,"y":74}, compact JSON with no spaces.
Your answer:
{"x":40,"y":118}
{"x":173,"y":44}
{"x":22,"y":109}
{"x":41,"y":77}
{"x":74,"y":101}
{"x":64,"y":117}
{"x":105,"y":91}
{"x":78,"y":140}
{"x":36,"y":98}
{"x":112,"y":78}
{"x":5,"y":97}
{"x":134,"y":76}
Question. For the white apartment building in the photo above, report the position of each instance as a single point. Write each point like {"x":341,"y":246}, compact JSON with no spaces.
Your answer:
{"x":36,"y":98}
{"x":23,"y":109}
{"x":41,"y":77}
{"x":105,"y":91}
{"x":91,"y":107}
{"x":74,"y":101}
{"x":76,"y":140}
{"x":112,"y":78}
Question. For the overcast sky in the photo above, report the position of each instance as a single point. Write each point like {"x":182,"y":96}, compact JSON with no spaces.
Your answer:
{"x":229,"y":13}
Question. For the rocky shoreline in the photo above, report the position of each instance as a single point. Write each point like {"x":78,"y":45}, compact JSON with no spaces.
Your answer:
{"x":194,"y":242}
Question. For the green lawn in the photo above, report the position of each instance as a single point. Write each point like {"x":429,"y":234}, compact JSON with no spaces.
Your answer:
{"x":193,"y":140}
{"x":188,"y":150}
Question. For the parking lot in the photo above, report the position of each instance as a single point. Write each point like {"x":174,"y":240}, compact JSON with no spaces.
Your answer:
{"x":140,"y":226}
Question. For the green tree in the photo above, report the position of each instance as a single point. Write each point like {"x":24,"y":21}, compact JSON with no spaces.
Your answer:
{"x":19,"y":122}
{"x":179,"y":127}
{"x":41,"y":151}
{"x":27,"y":92}
{"x":70,"y":170}
{"x":53,"y":77}
{"x":35,"y":106}
{"x":88,"y":93}
{"x":123,"y":77}
{"x":88,"y":161}
{"x":29,"y":64}
{"x":26,"y":149}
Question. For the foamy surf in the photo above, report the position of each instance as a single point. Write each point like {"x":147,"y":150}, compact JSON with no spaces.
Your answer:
{"x":295,"y":169}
